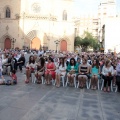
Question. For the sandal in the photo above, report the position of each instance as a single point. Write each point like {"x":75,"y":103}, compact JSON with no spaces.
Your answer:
{"x":104,"y":90}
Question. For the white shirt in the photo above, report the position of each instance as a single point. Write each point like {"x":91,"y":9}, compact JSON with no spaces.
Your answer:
{"x":105,"y":70}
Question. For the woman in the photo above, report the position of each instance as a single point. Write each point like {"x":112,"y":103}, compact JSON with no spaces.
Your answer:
{"x":72,"y":70}
{"x":30,"y":68}
{"x":40,"y":70}
{"x":107,"y":74}
{"x":83,"y":73}
{"x":60,"y":72}
{"x":50,"y":70}
{"x":95,"y":71}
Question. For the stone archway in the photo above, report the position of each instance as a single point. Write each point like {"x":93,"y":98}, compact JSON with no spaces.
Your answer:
{"x":63,"y":45}
{"x":7,"y":43}
{"x":35,"y":43}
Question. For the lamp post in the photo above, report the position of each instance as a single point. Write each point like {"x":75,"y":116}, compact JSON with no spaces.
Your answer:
{"x":56,"y":42}
{"x":13,"y":40}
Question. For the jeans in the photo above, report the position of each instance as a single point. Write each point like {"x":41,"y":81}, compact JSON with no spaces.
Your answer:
{"x":107,"y":79}
{"x":118,"y":82}
{"x":20,"y":66}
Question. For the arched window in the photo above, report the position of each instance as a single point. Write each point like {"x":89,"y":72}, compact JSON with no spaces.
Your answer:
{"x":8,"y":12}
{"x":65,"y":15}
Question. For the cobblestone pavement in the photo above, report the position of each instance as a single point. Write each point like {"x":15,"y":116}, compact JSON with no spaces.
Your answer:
{"x":41,"y":102}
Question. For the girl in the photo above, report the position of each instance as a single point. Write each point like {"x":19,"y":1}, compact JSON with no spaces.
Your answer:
{"x":108,"y":73}
{"x":40,"y":70}
{"x":95,"y":71}
{"x":61,"y":71}
{"x":30,"y":68}
{"x":72,"y":70}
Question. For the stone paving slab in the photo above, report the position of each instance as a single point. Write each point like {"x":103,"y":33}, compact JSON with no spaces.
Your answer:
{"x":42,"y":102}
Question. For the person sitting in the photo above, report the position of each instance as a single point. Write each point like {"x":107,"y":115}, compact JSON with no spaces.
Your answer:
{"x":13,"y":63}
{"x":83,"y":73}
{"x":40,"y":70}
{"x":107,"y":74}
{"x":60,"y":72}
{"x":14,"y":77}
{"x":50,"y":71}
{"x":7,"y":66}
{"x":95,"y":71}
{"x":20,"y":62}
{"x":72,"y":70}
{"x":30,"y":68}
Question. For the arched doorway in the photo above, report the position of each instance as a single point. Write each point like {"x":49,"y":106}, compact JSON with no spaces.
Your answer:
{"x":7,"y":43}
{"x":35,"y":43}
{"x":63,"y":45}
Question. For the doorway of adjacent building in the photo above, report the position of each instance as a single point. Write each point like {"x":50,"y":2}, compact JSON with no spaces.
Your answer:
{"x":63,"y":45}
{"x":7,"y":43}
{"x":35,"y":43}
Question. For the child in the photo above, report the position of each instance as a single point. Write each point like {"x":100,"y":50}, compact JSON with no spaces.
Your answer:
{"x":14,"y":77}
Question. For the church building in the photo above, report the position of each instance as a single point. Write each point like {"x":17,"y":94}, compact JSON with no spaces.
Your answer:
{"x":37,"y":24}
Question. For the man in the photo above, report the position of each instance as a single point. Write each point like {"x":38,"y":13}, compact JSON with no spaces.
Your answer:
{"x":21,"y":62}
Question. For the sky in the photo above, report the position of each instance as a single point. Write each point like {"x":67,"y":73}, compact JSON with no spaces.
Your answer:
{"x":90,"y":6}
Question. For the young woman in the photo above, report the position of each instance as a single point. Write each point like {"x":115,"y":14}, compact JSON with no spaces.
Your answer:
{"x":72,"y":70}
{"x":107,"y":74}
{"x":40,"y":70}
{"x":95,"y":71}
{"x":61,"y":71}
{"x":50,"y":70}
{"x":83,"y":72}
{"x":30,"y":68}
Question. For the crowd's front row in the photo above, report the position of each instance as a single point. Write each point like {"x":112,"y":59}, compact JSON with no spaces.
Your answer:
{"x":73,"y":70}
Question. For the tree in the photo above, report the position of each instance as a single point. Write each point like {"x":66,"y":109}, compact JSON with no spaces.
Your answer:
{"x":77,"y":41}
{"x":86,"y":40}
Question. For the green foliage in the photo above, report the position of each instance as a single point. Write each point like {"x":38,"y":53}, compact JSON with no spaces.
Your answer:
{"x":77,"y":41}
{"x":87,"y":40}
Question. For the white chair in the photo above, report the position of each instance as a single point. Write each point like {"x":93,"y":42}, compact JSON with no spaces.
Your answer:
{"x":114,"y":87}
{"x":74,"y":82}
{"x":62,"y":79}
{"x":87,"y":84}
{"x":44,"y":81}
{"x":98,"y":86}
{"x":33,"y":78}
{"x":110,"y":86}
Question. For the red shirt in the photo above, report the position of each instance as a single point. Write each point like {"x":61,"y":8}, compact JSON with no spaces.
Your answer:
{"x":14,"y":77}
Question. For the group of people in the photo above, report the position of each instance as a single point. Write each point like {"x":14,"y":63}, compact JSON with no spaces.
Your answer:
{"x":80,"y":68}
{"x":9,"y":63}
{"x":73,"y":67}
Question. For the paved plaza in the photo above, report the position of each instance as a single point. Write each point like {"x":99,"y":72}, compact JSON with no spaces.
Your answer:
{"x":42,"y":102}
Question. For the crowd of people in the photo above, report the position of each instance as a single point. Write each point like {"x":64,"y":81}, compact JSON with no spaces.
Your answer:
{"x":79,"y":70}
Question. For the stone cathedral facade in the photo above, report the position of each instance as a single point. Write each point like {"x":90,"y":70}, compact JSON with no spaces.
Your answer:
{"x":37,"y":24}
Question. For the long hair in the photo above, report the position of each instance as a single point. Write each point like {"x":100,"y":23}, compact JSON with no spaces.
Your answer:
{"x":51,"y":59}
{"x":61,"y":62}
{"x":106,"y":63}
{"x":31,"y":61}
{"x":97,"y":63}
{"x":71,"y":62}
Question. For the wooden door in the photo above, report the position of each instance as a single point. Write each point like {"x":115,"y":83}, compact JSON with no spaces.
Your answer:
{"x":7,"y":43}
{"x":63,"y":45}
{"x":35,"y":43}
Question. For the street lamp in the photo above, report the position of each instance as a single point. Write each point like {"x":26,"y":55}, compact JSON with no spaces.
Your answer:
{"x":13,"y":40}
{"x":56,"y":42}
